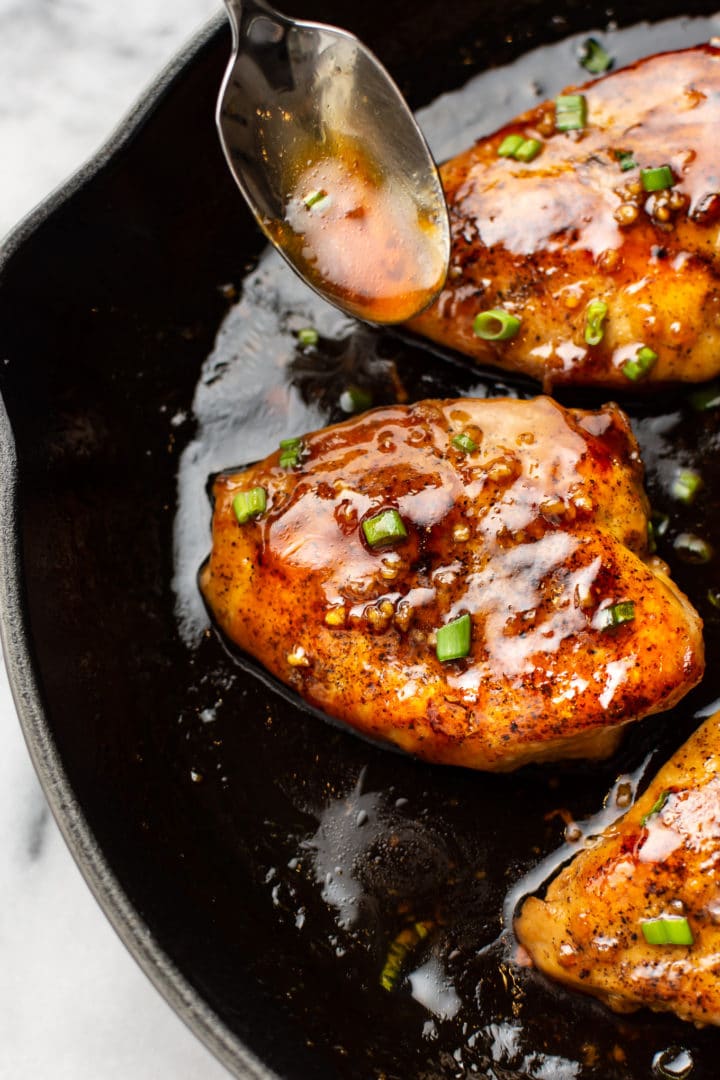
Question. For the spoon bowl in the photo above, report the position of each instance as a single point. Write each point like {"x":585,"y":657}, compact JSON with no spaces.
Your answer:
{"x":333,"y":165}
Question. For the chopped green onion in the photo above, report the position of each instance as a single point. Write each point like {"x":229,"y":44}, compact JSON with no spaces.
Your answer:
{"x":667,"y":930}
{"x":692,"y":549}
{"x":617,"y":614}
{"x":657,"y":527}
{"x":387,"y":527}
{"x":509,"y":145}
{"x":713,"y":595}
{"x":651,"y":538}
{"x":570,"y":112}
{"x":453,"y":639}
{"x":355,"y":399}
{"x":317,"y":198}
{"x":464,"y":442}
{"x":308,"y":336}
{"x":642,"y":365}
{"x":528,"y":150}
{"x":403,"y":944}
{"x":594,"y":58}
{"x":659,"y":523}
{"x":707,"y":398}
{"x":495,"y":325}
{"x":656,"y":806}
{"x":659,"y":179}
{"x":520,"y":148}
{"x":594,"y":317}
{"x":626,"y":160}
{"x":685,"y":486}
{"x":291,"y":450}
{"x":247,"y":504}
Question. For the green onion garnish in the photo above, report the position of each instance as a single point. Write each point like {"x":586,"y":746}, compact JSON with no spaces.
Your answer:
{"x":656,"y":807}
{"x":495,"y":325}
{"x":707,"y":398}
{"x":713,"y":595}
{"x":657,"y":527}
{"x":642,"y":365}
{"x":658,"y":524}
{"x":658,"y":179}
{"x":667,"y":930}
{"x":594,"y":317}
{"x":528,"y":150}
{"x":316,"y":198}
{"x":692,"y":549}
{"x":355,"y":399}
{"x":515,"y":146}
{"x":291,"y":450}
{"x":387,"y":527}
{"x":453,"y":639}
{"x":594,"y":58}
{"x":618,"y":614}
{"x":247,"y":504}
{"x":626,"y":160}
{"x":509,"y":145}
{"x":308,"y":336}
{"x":570,"y":112}
{"x":464,"y":442}
{"x":685,"y":486}
{"x":403,"y":944}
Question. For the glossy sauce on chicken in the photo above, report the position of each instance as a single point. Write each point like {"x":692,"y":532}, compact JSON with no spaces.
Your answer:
{"x":603,"y":925}
{"x":524,"y":517}
{"x":545,"y":239}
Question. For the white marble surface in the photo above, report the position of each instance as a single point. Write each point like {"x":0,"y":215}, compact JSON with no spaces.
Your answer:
{"x":73,"y":1003}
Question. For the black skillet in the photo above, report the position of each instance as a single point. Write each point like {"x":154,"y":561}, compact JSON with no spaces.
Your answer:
{"x":258,"y":862}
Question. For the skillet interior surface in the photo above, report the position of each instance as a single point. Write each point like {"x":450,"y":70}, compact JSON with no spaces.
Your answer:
{"x":274,"y":858}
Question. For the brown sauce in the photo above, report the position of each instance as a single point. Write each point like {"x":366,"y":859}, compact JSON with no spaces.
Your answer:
{"x":350,"y":845}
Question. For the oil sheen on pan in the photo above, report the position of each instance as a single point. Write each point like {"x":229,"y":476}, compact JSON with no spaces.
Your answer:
{"x":399,"y":880}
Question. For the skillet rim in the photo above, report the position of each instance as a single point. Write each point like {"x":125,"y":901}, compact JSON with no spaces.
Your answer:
{"x":130,"y":927}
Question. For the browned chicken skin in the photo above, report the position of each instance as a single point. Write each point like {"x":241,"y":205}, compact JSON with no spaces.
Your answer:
{"x":661,"y":859}
{"x":536,"y":534}
{"x":542,"y":240}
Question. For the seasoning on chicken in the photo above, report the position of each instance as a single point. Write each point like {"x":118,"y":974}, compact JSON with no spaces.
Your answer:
{"x":468,"y":579}
{"x":635,"y":920}
{"x":585,"y":233}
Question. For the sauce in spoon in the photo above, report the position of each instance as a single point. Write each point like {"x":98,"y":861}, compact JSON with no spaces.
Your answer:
{"x":361,"y":236}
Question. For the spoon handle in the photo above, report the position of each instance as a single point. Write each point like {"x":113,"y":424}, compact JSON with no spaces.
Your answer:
{"x":243,"y":9}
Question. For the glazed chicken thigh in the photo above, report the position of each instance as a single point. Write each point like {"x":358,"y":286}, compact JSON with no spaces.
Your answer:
{"x":469,"y":580}
{"x":602,"y":239}
{"x":635,"y":920}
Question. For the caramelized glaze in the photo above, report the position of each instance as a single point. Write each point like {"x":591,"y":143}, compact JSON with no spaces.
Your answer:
{"x":543,"y":239}
{"x":661,"y":859}
{"x":535,"y":534}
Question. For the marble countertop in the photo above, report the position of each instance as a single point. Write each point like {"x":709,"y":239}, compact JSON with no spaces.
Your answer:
{"x":73,"y":1003}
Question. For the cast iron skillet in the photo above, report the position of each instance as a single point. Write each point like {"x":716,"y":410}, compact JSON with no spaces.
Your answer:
{"x":257,"y":861}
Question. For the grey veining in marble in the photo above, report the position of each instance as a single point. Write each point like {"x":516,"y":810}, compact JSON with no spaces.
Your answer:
{"x":73,"y":1003}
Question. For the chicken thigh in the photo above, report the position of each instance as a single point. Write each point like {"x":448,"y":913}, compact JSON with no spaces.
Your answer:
{"x":469,"y":580}
{"x":635,"y":920}
{"x":596,"y":245}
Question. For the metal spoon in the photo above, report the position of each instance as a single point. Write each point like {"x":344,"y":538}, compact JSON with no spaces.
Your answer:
{"x":335,"y":169}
